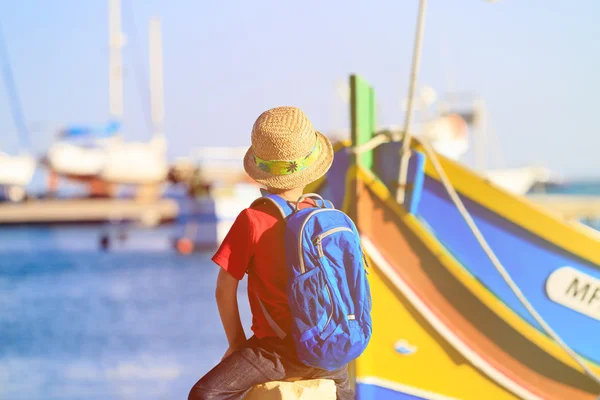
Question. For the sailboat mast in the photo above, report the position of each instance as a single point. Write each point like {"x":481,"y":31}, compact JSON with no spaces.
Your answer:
{"x":156,"y":77}
{"x":11,"y":88}
{"x":115,"y":62}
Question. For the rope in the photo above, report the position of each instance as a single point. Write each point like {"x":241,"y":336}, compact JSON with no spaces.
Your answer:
{"x":498,"y":265}
{"x":405,"y":152}
{"x":372,"y":143}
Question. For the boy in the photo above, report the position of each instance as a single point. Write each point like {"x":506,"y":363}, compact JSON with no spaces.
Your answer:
{"x":286,"y":155}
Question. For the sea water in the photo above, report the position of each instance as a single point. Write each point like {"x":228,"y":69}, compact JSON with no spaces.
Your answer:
{"x":573,"y":188}
{"x":136,"y":322}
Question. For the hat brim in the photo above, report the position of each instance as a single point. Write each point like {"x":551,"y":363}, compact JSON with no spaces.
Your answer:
{"x":295,"y":180}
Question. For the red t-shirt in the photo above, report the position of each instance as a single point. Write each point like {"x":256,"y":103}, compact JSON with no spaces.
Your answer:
{"x":255,"y":242}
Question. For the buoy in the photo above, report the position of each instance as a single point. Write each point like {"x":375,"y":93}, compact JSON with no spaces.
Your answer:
{"x":184,"y":245}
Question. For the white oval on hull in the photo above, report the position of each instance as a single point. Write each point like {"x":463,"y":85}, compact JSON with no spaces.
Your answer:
{"x":575,"y":290}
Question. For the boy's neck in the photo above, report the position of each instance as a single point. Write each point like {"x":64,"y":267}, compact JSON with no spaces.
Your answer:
{"x":288,"y":194}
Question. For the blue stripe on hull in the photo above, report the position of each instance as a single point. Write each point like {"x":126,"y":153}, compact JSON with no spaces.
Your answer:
{"x":373,"y":392}
{"x":528,"y":259}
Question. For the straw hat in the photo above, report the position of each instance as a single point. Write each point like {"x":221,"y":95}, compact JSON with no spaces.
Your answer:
{"x":287,"y":152}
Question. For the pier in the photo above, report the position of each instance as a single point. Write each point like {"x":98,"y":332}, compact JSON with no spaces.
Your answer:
{"x":576,"y":207}
{"x":57,"y":211}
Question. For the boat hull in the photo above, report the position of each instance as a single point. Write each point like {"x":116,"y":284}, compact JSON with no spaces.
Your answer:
{"x":16,"y":170}
{"x":72,"y":160}
{"x":531,"y":243}
{"x":136,"y":163}
{"x":205,"y":221}
{"x":493,"y":356}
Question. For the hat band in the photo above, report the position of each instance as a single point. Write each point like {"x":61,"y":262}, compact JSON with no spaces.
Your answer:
{"x":276,"y":167}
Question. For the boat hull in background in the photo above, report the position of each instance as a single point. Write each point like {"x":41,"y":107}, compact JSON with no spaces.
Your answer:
{"x":16,"y":170}
{"x":69,"y":159}
{"x":204,"y":222}
{"x":136,"y":163}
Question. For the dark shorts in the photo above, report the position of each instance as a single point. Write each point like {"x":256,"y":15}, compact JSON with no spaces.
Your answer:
{"x":260,"y":361}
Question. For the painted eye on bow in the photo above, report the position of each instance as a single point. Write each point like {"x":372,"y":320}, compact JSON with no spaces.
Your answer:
{"x":292,"y":167}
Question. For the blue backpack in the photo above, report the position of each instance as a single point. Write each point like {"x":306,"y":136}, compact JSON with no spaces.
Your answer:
{"x":328,"y":291}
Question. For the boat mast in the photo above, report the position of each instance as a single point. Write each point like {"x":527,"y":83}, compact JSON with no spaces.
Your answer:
{"x":156,"y":77}
{"x":416,"y":61}
{"x":115,"y":60}
{"x":13,"y":95}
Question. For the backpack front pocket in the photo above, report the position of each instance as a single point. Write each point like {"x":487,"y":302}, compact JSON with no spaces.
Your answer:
{"x":312,"y":303}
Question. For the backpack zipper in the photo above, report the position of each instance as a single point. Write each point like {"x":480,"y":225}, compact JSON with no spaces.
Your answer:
{"x":331,"y":313}
{"x":319,"y":239}
{"x":300,"y":253}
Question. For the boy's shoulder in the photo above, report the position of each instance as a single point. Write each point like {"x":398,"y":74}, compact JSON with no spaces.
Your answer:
{"x":260,"y":211}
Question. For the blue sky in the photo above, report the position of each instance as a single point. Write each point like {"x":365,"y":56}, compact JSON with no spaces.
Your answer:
{"x":534,"y":62}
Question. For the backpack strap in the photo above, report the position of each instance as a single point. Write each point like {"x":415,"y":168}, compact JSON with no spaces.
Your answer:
{"x":315,"y":197}
{"x":280,"y":333}
{"x":285,"y":209}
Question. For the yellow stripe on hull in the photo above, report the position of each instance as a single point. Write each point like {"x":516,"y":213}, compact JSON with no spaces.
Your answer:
{"x":433,"y":367}
{"x":568,"y":235}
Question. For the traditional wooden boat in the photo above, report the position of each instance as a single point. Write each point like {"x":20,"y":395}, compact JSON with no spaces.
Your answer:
{"x":477,"y":292}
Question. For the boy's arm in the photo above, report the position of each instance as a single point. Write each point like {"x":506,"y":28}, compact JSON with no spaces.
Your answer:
{"x":226,"y":294}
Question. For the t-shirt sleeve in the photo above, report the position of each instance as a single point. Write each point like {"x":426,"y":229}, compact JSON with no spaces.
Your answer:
{"x":236,"y":251}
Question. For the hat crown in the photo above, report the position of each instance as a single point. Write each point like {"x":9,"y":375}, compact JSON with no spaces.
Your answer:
{"x":282,"y":133}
